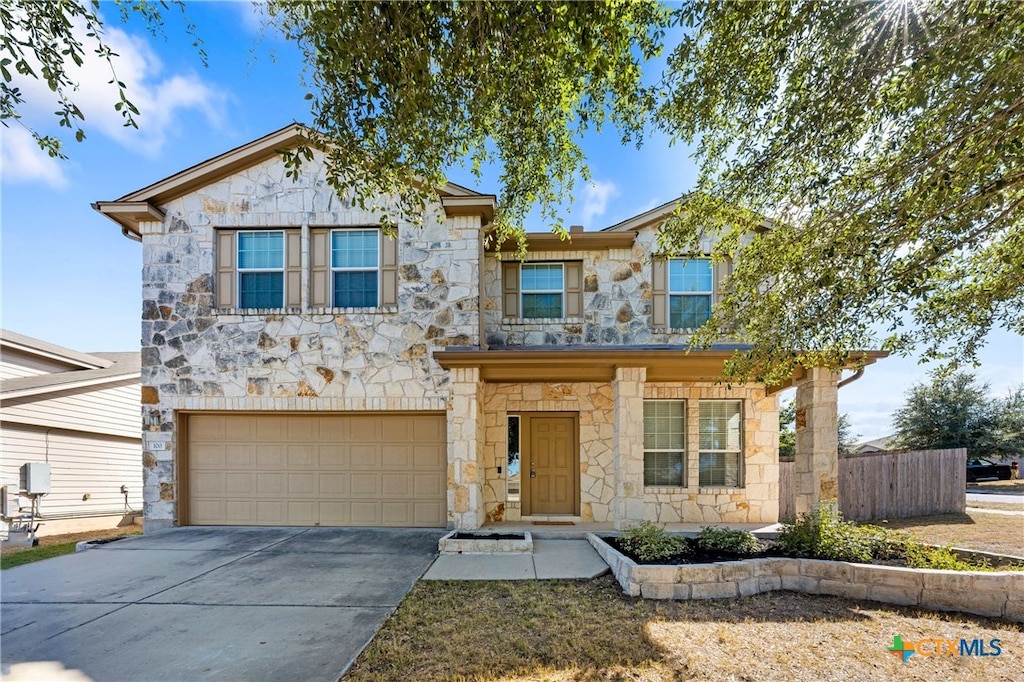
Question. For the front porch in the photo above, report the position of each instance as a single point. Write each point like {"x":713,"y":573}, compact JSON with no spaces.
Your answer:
{"x":605,"y":470}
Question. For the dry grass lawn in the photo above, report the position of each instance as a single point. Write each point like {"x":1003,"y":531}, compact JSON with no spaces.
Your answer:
{"x":999,"y":533}
{"x":588,"y":630}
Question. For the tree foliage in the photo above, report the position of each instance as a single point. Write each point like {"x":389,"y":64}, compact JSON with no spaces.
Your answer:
{"x":48,"y":40}
{"x":867,"y":156}
{"x":402,"y":91}
{"x":845,"y":437}
{"x":956,"y":411}
{"x":886,"y":142}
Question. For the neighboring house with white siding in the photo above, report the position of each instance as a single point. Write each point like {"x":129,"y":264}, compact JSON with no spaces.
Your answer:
{"x":80,"y":413}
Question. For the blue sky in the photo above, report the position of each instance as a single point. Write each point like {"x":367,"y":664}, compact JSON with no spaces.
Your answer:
{"x":69,"y":277}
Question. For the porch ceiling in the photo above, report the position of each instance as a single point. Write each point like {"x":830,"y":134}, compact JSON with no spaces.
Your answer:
{"x":597,"y":364}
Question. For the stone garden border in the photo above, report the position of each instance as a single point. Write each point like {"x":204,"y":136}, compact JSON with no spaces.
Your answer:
{"x":998,"y":594}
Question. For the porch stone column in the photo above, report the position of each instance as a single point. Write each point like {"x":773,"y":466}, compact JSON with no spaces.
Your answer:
{"x":465,"y":446}
{"x":817,"y":439}
{"x":628,"y":396}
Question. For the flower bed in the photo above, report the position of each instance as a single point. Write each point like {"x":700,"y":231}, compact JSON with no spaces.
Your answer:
{"x":997,"y":593}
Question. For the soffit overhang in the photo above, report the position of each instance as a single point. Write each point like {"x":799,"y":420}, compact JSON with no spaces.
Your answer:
{"x":524,"y":365}
{"x":573,"y":241}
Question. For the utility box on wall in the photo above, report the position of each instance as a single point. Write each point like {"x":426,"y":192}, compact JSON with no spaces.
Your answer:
{"x":35,"y":478}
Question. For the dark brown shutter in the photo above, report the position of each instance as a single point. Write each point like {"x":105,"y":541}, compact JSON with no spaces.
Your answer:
{"x":226,"y":273}
{"x":510,"y":289}
{"x":293,"y":269}
{"x":319,"y":269}
{"x":389,"y":268}
{"x":659,"y":292}
{"x":722,"y":270}
{"x":574,"y":289}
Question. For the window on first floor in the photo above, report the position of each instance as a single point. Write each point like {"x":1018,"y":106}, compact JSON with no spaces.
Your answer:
{"x":355,"y":268}
{"x":261,"y":269}
{"x":664,"y":443}
{"x":721,"y":427}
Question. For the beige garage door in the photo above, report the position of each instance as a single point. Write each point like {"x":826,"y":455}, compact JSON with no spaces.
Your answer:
{"x":331,"y":470}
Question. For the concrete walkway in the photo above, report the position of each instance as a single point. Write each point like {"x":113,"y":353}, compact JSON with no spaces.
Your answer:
{"x":551,"y":559}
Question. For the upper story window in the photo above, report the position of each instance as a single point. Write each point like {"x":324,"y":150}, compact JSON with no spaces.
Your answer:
{"x":690,"y":289}
{"x":261,"y":269}
{"x":542,"y":290}
{"x":721,"y":428}
{"x":355,"y":268}
{"x":258,"y":269}
{"x":684,"y":290}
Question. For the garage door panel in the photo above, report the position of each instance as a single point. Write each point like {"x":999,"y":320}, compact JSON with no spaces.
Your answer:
{"x":365,"y":457}
{"x":271,"y":456}
{"x":327,"y":470}
{"x":364,"y":485}
{"x":334,"y":485}
{"x":365,"y":429}
{"x":397,"y":457}
{"x":396,"y":485}
{"x":302,"y":456}
{"x":302,"y":485}
{"x":207,"y":483}
{"x":239,"y":484}
{"x":271,"y":484}
{"x":331,"y":456}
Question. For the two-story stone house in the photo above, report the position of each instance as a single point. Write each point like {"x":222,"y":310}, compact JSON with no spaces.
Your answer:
{"x":302,"y":367}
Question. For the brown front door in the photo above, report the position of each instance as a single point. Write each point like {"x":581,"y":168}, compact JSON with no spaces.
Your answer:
{"x":551,"y":464}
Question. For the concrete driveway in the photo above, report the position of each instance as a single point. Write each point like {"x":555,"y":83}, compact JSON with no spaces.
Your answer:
{"x":204,"y":603}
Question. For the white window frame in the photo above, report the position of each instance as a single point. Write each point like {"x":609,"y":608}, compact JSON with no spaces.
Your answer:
{"x":680,"y":451}
{"x":523,"y":292}
{"x":333,"y":269}
{"x":710,"y":293}
{"x":738,"y":451}
{"x":239,"y":270}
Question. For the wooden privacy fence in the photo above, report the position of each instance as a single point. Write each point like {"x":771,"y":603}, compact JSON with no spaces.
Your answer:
{"x":890,"y":485}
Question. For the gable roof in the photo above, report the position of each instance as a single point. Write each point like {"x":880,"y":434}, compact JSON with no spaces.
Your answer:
{"x":660,"y":213}
{"x":143,"y":204}
{"x":88,"y":369}
{"x":50,"y":351}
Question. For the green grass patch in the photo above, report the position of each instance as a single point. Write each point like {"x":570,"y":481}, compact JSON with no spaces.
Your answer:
{"x":27,"y":556}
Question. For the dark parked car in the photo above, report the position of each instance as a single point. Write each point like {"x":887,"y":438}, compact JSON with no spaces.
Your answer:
{"x":978,"y":469}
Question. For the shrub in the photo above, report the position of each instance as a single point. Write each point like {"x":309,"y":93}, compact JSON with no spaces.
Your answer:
{"x":650,"y":542}
{"x":942,"y":558}
{"x":822,"y":534}
{"x":739,"y":542}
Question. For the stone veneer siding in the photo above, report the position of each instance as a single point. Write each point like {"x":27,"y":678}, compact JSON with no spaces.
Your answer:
{"x":617,"y":301}
{"x":197,"y":357}
{"x":756,"y":502}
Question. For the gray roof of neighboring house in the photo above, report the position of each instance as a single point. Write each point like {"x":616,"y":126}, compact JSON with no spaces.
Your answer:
{"x":94,"y":368}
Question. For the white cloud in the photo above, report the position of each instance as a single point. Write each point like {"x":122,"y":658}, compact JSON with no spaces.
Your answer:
{"x":22,"y":161}
{"x":253,"y":14}
{"x":595,"y":200}
{"x":161,"y":99}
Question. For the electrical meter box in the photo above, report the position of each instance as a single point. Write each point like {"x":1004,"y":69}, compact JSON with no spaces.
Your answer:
{"x":35,"y":477}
